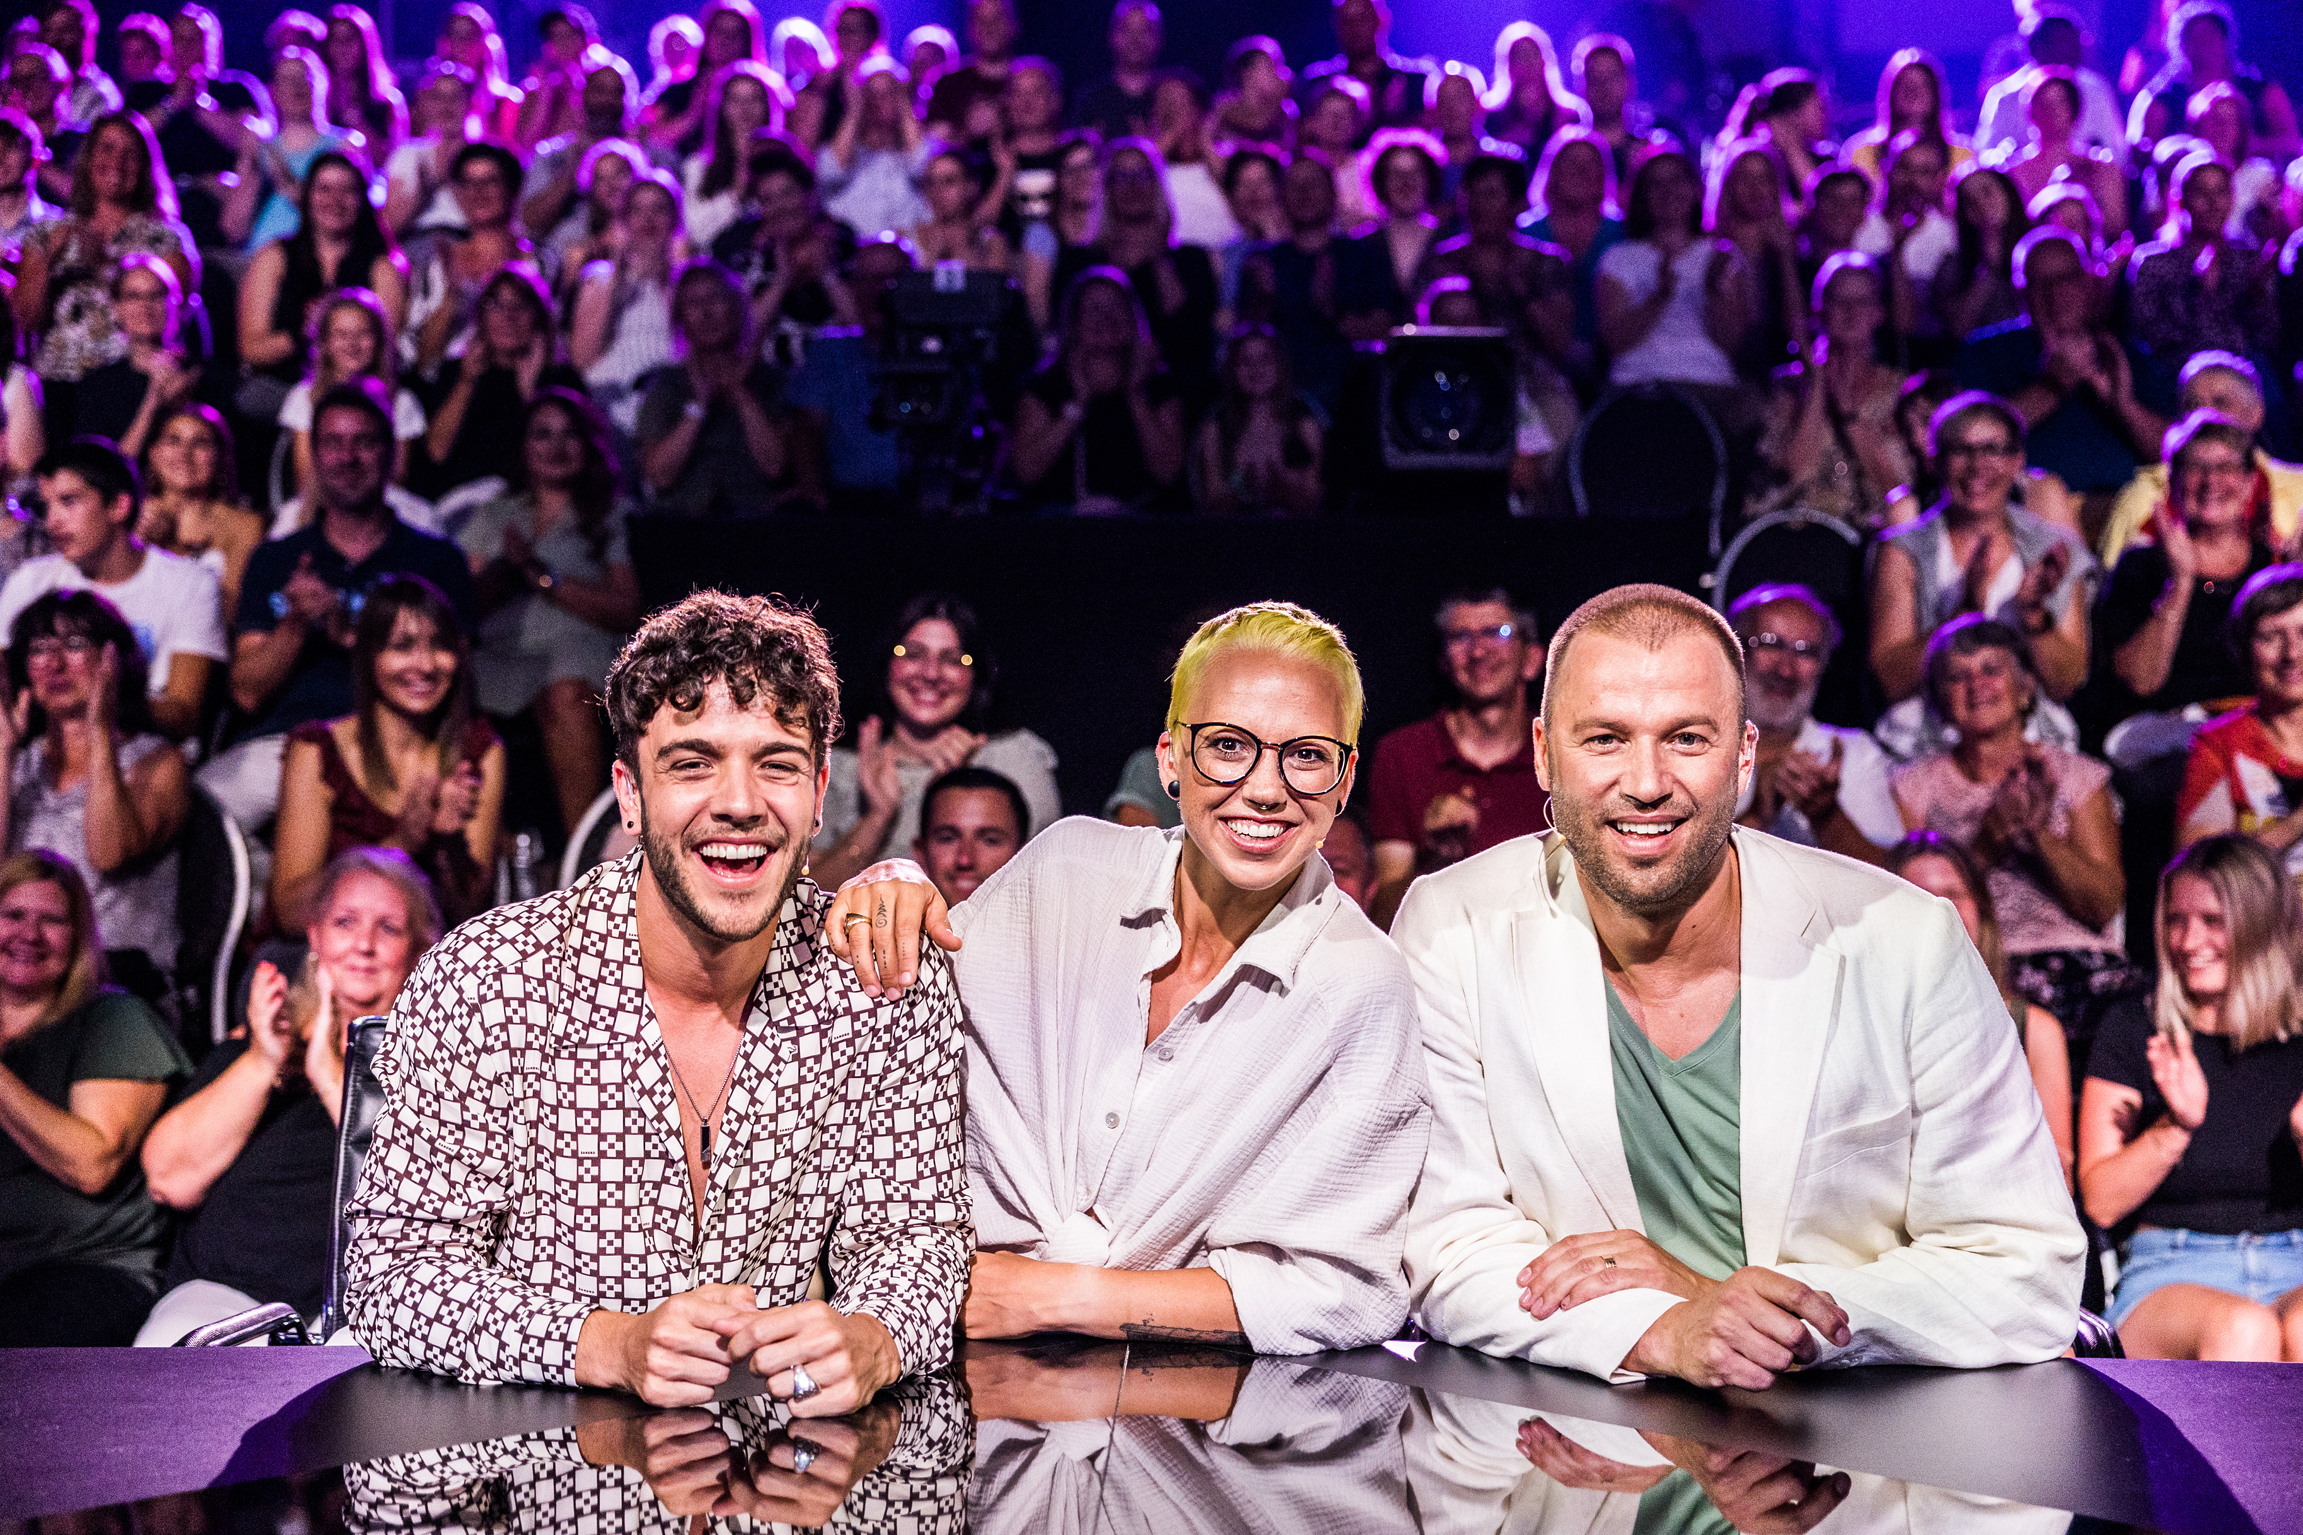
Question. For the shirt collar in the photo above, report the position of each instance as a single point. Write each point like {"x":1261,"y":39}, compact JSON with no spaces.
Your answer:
{"x":1279,"y":943}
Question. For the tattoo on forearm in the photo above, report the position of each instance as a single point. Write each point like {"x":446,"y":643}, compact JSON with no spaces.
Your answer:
{"x":1152,"y":1332}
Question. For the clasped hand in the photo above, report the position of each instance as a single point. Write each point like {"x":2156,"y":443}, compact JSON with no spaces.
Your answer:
{"x":693,"y":1467}
{"x":682,"y":1352}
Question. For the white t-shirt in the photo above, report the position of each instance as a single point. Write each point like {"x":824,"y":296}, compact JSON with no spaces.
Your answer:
{"x":407,"y":416}
{"x":173,"y":604}
{"x":1679,"y":350}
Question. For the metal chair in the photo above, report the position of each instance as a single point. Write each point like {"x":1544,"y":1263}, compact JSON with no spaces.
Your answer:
{"x":588,"y":838}
{"x":1649,"y":451}
{"x":1815,"y":549}
{"x":215,"y":888}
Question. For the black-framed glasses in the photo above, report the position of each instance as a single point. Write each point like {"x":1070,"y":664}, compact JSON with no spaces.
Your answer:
{"x":1225,"y":755}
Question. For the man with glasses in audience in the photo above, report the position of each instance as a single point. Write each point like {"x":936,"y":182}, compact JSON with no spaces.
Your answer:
{"x":1463,"y":780}
{"x":1812,"y":783}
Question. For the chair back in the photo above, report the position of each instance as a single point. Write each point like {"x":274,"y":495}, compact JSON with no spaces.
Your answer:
{"x":1651,"y":452}
{"x":214,"y":887}
{"x":588,"y":839}
{"x":363,"y":1102}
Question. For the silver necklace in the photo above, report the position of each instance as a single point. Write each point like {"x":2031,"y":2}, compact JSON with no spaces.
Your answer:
{"x":704,"y":1127}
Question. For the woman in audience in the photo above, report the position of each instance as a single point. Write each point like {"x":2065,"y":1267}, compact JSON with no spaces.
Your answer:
{"x":262,"y":206}
{"x":675,"y":49}
{"x":785,"y":253}
{"x":445,"y":299}
{"x":2246,"y":768}
{"x":2202,"y":51}
{"x":1838,"y":202}
{"x":1203,"y":216}
{"x":418,"y":198}
{"x":469,"y":37}
{"x":1673,"y":306}
{"x":1254,"y":107}
{"x":1376,"y":270}
{"x":2036,"y":817}
{"x":1528,"y":103}
{"x":1100,"y":428}
{"x":351,"y":338}
{"x":557,"y":590}
{"x":2188,"y":1118}
{"x":1831,"y":442}
{"x":811,"y":69}
{"x":1334,"y":124}
{"x":510,"y":359}
{"x":1975,"y":287}
{"x":1259,"y":449}
{"x":84,"y":1071}
{"x":935,"y":713}
{"x":1070,"y":220}
{"x":1521,"y":283}
{"x":621,"y":330}
{"x":1976,"y":552}
{"x":733,"y":33}
{"x":339,"y":243}
{"x":192,"y":501}
{"x":871,"y":168}
{"x":362,"y":96}
{"x":1913,"y":97}
{"x":123,"y":204}
{"x":1745,"y":207}
{"x":1575,"y":209}
{"x":2219,"y":117}
{"x":928,"y":51}
{"x":1943,"y":867}
{"x":1794,"y":112}
{"x":745,"y":97}
{"x":415,"y":766}
{"x":89,"y":777}
{"x":1452,"y":111}
{"x":121,"y":400}
{"x":1176,"y":283}
{"x":713,"y":439}
{"x":249,"y":1154}
{"x":2194,"y":288}
{"x":588,"y":230}
{"x":953,"y":185}
{"x":2051,"y":104}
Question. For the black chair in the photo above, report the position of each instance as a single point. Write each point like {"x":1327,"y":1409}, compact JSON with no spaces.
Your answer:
{"x":1651,"y":452}
{"x":214,"y":888}
{"x":1826,"y":555}
{"x":363,"y":1102}
{"x":2097,"y":1339}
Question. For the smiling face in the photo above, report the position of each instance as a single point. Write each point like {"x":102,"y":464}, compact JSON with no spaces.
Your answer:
{"x":2212,"y":484}
{"x":1784,"y":655}
{"x":337,"y":197}
{"x":1488,"y":653}
{"x":348,"y":341}
{"x":1257,"y":834}
{"x":1644,"y":755}
{"x":351,"y":450}
{"x":184,"y":456}
{"x":417,"y":666}
{"x":2276,"y":655}
{"x":931,"y":677}
{"x":365,"y":939}
{"x":35,"y":938}
{"x":483,"y":193}
{"x":1985,"y":693}
{"x":1979,"y":460}
{"x":967,"y":836}
{"x":726,"y":800}
{"x":2198,"y":942}
{"x":2220,"y":389}
{"x":145,"y":305}
{"x":115,"y":157}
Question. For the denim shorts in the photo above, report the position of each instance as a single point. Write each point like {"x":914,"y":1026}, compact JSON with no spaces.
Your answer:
{"x":2262,"y":1266}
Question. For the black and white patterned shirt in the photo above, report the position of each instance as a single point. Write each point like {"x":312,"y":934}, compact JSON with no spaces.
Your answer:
{"x":528,"y":1166}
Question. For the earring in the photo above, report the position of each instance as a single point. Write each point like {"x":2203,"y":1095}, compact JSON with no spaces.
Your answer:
{"x":1175,"y":788}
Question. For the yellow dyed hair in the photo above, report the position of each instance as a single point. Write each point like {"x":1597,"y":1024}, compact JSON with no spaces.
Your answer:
{"x":1282,"y":628}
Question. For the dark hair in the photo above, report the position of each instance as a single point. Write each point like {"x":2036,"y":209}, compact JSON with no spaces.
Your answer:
{"x":1232,"y":410}
{"x":1638,"y":215}
{"x":224,"y":481}
{"x":81,"y":614}
{"x":973,"y":777}
{"x":523,"y":276}
{"x":759,"y":647}
{"x":153,"y":193}
{"x":984,"y":673}
{"x":380,"y":613}
{"x":502,"y":159}
{"x":98,"y":461}
{"x":1970,"y":257}
{"x":1398,"y":141}
{"x":1510,"y":169}
{"x":1974,"y":402}
{"x":362,"y":394}
{"x":771,"y":151}
{"x":2270,"y":592}
{"x":1251,"y":154}
{"x":725,"y":159}
{"x":594,"y":492}
{"x":371,"y":241}
{"x":1964,"y":636}
{"x":1480,"y":596}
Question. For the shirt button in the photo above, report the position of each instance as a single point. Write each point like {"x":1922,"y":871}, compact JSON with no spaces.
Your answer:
{"x":1167,"y":1052}
{"x":1111,"y":1121}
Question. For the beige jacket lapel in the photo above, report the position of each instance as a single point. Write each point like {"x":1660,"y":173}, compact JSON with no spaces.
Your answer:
{"x":1791,"y":977}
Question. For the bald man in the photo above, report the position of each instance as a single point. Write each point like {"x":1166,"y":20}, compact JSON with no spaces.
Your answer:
{"x":1705,"y":1103}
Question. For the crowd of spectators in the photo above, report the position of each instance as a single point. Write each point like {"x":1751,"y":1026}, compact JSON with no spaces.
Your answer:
{"x":330,"y":394}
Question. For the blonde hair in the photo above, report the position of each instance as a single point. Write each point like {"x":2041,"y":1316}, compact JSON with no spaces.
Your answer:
{"x":1281,"y":628}
{"x":85,"y":974}
{"x":2261,"y":912}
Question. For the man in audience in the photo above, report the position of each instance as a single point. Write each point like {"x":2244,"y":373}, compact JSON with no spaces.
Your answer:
{"x":2053,"y":36}
{"x":2229,"y":383}
{"x":963,"y":105}
{"x":1120,"y":105}
{"x":712,"y":1114}
{"x":972,"y":821}
{"x":1707,"y":1104}
{"x":1463,"y":780}
{"x":300,"y":599}
{"x":142,"y":40}
{"x":1811,"y":783}
{"x":2095,"y":405}
{"x":1395,"y":86}
{"x":1911,"y":226}
{"x":69,"y":27}
{"x":93,"y":501}
{"x":609,"y":104}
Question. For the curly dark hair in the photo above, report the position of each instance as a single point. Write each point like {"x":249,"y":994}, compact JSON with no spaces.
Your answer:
{"x":761,"y":647}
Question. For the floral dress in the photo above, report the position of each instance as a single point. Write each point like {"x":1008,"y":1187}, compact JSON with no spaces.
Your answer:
{"x":82,"y":333}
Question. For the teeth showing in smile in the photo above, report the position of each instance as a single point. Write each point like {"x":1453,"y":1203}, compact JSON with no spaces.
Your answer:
{"x":1641,"y":828}
{"x":1258,"y":831}
{"x":732,"y":852}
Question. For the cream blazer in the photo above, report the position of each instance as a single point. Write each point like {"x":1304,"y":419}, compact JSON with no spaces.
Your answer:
{"x":1894,"y":1151}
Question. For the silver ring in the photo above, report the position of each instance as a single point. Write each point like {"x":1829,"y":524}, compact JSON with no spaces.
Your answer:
{"x":803,"y":1455}
{"x":1608,"y":1262}
{"x":803,"y":1384}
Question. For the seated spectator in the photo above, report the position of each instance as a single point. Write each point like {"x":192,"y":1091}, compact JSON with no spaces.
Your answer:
{"x":1377,"y":270}
{"x":1794,"y":114}
{"x":1139,"y":798}
{"x":419,"y":198}
{"x":468,"y":37}
{"x":2054,"y":39}
{"x":2246,"y":769}
{"x":871,"y":168}
{"x":1674,"y":306}
{"x":192,"y":501}
{"x":122,"y":400}
{"x":1175,"y":283}
{"x":1453,"y":97}
{"x":142,"y":41}
{"x":2193,"y":287}
{"x":1260,"y":448}
{"x":1291,"y":284}
{"x":621,"y":328}
{"x":444,"y":299}
{"x":2203,"y":50}
{"x":675,"y":50}
{"x":93,"y":503}
{"x":511,"y":358}
{"x":1394,"y":84}
{"x":362,"y":96}
{"x":2092,"y":403}
{"x":1838,"y":201}
{"x":1945,"y":868}
{"x":38,"y":85}
{"x":557,"y":592}
{"x":935,"y":713}
{"x":1334,"y":125}
{"x":69,"y":27}
{"x":1831,"y":443}
{"x":1253,"y":107}
{"x":1744,"y":207}
{"x":1914,"y":239}
{"x":2053,"y":153}
{"x":1575,"y":209}
{"x":1914,"y":98}
{"x":293,"y":630}
{"x":558,"y":207}
{"x":1100,"y":428}
{"x":972,"y":822}
{"x":1975,"y":286}
{"x":351,"y":339}
{"x":2037,"y":817}
{"x":838,"y":380}
{"x":22,"y":152}
{"x":1121,"y":104}
{"x":2229,"y":385}
{"x":89,"y":777}
{"x":1465,"y":779}
{"x":712,"y":431}
{"x":551,"y":97}
{"x":1812,"y":783}
{"x":811,"y":70}
{"x":744,"y":99}
{"x":2220,"y":118}
{"x":208,"y":113}
{"x":1522,"y":283}
{"x":927,"y":52}
{"x":1529,"y":102}
{"x":1178,"y":127}
{"x":248,"y":1155}
{"x":84,"y":1070}
{"x":262,"y":206}
{"x":953,"y":186}
{"x":2184,"y":1093}
{"x":963,"y":95}
{"x":784,"y":252}
{"x":592,"y":230}
{"x":415,"y":765}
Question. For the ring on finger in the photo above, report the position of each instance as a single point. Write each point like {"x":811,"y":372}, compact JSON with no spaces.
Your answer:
{"x":803,"y":1384}
{"x":1607,"y":1262}
{"x":804,"y":1454}
{"x":850,"y":920}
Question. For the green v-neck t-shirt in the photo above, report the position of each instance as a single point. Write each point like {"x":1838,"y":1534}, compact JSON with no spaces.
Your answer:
{"x":1681,"y":1123}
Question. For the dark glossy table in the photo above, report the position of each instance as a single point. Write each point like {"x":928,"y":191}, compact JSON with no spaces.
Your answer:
{"x":1066,"y":1434}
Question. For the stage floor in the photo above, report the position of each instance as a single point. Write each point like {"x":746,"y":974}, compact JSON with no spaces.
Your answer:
{"x":1071,"y":1435}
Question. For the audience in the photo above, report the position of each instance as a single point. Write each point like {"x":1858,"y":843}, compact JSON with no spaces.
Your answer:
{"x":1674,"y":306}
{"x":1101,"y":426}
{"x":1822,"y":785}
{"x":2245,"y":772}
{"x":713,"y":441}
{"x":2054,"y":153}
{"x":351,"y":339}
{"x":2193,"y":287}
{"x":972,"y":821}
{"x":121,"y":400}
{"x":192,"y":502}
{"x":1831,"y":442}
{"x":1260,"y":449}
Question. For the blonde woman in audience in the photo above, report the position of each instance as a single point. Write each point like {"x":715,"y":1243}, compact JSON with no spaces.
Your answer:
{"x":622,"y":327}
{"x":248,"y":1157}
{"x":2190,"y":1112}
{"x":362,"y":95}
{"x":192,"y":501}
{"x":351,"y":337}
{"x":469,"y":37}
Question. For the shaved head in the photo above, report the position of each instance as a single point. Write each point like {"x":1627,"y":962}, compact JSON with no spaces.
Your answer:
{"x":1651,"y":617}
